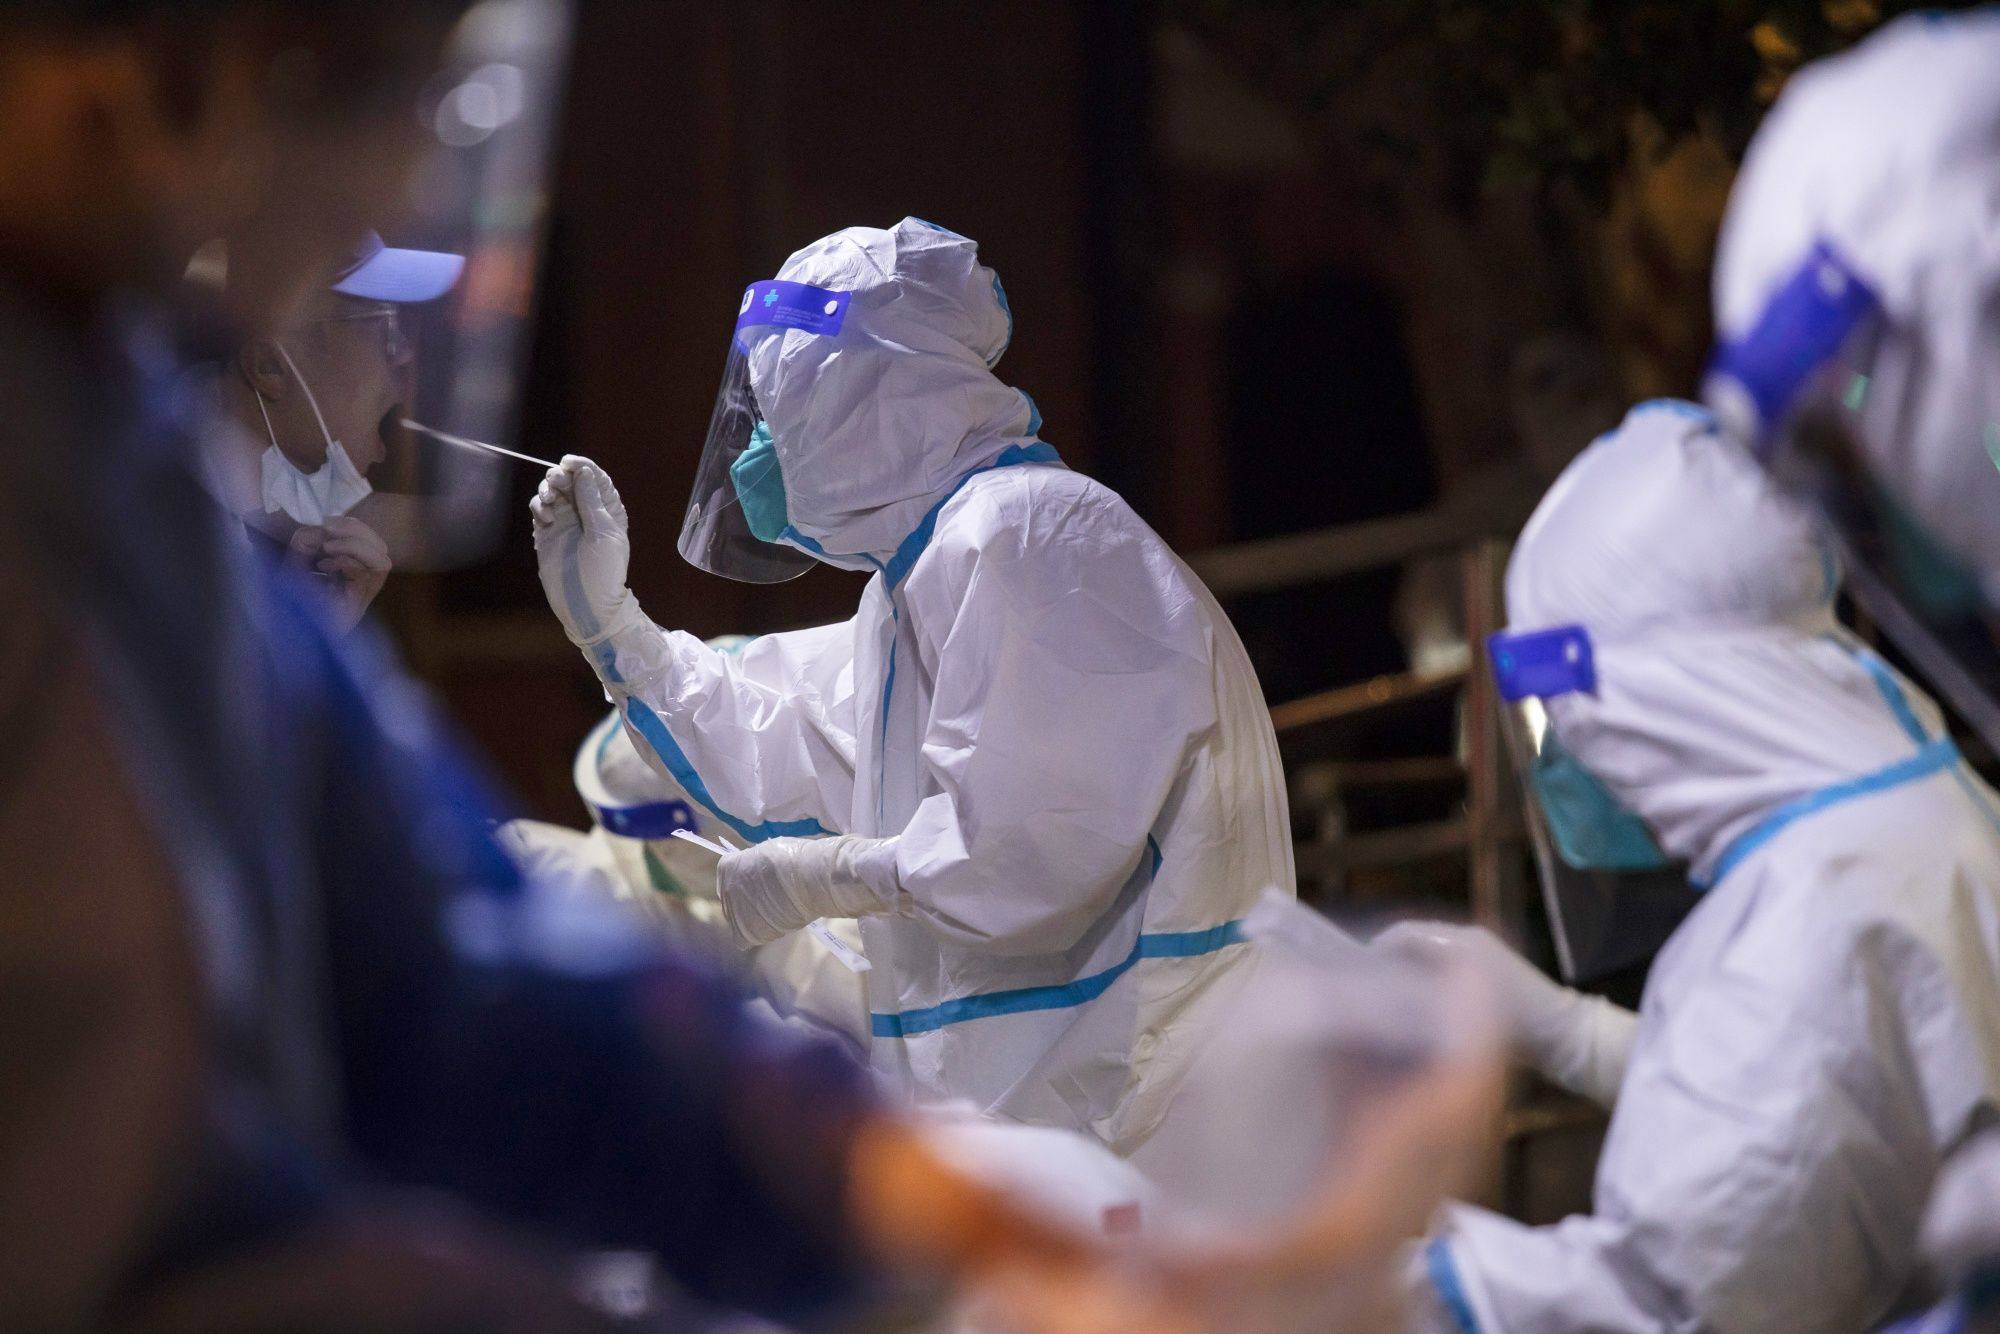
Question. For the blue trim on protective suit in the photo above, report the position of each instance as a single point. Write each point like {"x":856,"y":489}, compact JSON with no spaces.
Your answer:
{"x":572,"y":586}
{"x":882,"y":730}
{"x":791,"y":534}
{"x":919,"y":538}
{"x":913,"y":546}
{"x":906,"y":556}
{"x":1067,"y":995}
{"x":1892,"y":694}
{"x":669,"y":750}
{"x":1934,"y":758}
{"x":1885,"y":682}
{"x":1443,"y":1273}
{"x":1677,"y":407}
{"x":648,"y":819}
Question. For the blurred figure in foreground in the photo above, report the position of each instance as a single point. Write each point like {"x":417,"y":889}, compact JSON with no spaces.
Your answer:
{"x":1390,"y":1081}
{"x":310,"y":408}
{"x":266,"y":972}
{"x":1824,"y":1030}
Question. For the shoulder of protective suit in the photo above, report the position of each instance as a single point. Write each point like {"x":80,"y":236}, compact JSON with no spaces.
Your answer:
{"x":1046,"y":530}
{"x":1906,"y":863}
{"x":1014,"y":512}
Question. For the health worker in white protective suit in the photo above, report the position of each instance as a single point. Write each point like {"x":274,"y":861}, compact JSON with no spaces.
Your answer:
{"x":815,"y":977}
{"x":1049,"y":766}
{"x":1824,"y":1029}
{"x":1858,"y":286}
{"x":631,"y":854}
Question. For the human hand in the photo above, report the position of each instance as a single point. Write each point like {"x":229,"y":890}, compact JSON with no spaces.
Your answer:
{"x":353,"y":555}
{"x":1580,"y":1041}
{"x":784,"y":884}
{"x":1534,"y":1005}
{"x":1338,"y":1266}
{"x":583,"y":550}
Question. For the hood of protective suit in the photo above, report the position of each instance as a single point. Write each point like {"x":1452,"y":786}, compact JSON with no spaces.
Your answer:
{"x":1884,"y":162}
{"x":874,"y":428}
{"x":1725,"y":689}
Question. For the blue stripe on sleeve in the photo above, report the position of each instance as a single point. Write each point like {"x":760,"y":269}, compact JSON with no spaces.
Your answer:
{"x":669,"y":750}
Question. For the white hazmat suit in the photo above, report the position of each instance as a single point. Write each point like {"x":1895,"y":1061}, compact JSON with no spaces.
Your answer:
{"x":1048,"y":749}
{"x":1860,"y":262}
{"x":1824,"y":1029}
{"x":631,"y":855}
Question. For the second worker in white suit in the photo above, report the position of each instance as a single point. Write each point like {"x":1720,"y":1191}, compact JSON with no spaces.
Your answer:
{"x":1823,"y":1031}
{"x":1049,"y":757}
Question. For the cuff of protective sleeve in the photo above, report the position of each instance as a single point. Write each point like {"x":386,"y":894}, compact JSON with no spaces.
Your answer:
{"x":873,"y":864}
{"x":1590,"y":1056}
{"x":632,"y":652}
{"x":618,"y":618}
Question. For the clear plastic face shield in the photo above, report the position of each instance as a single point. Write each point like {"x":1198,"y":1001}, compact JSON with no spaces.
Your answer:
{"x":737,"y":523}
{"x":1894,"y":436}
{"x":1612,"y":896}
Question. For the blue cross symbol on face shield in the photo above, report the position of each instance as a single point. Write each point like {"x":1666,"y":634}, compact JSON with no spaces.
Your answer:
{"x":771,"y":298}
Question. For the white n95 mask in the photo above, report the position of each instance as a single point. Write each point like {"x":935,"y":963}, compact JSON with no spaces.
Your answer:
{"x":309,"y":498}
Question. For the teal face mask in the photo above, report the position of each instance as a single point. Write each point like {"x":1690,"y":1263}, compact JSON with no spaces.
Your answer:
{"x":760,"y":486}
{"x":1938,"y":582}
{"x":1592,"y":832}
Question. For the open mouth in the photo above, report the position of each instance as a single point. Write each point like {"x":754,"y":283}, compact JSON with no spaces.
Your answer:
{"x":394,"y":465}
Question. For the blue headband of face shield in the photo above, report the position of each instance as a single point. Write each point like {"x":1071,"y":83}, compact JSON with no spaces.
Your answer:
{"x":1815,"y":324}
{"x":1755,"y":380}
{"x":758,"y":478}
{"x":1590,"y":830}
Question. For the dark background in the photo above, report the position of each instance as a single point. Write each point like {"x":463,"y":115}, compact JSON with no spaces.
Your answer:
{"x":1275,"y":266}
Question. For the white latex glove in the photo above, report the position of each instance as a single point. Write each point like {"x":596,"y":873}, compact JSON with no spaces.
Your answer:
{"x":584,"y":550}
{"x":784,"y":884}
{"x":1580,"y":1041}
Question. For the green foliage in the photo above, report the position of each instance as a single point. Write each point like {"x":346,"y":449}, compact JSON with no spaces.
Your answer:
{"x":1525,"y":92}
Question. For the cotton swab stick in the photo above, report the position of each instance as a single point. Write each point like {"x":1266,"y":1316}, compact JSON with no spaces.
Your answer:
{"x":689,"y":836}
{"x":464,"y":443}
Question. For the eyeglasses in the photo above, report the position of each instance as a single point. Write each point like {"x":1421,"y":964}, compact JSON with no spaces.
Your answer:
{"x":394,"y":343}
